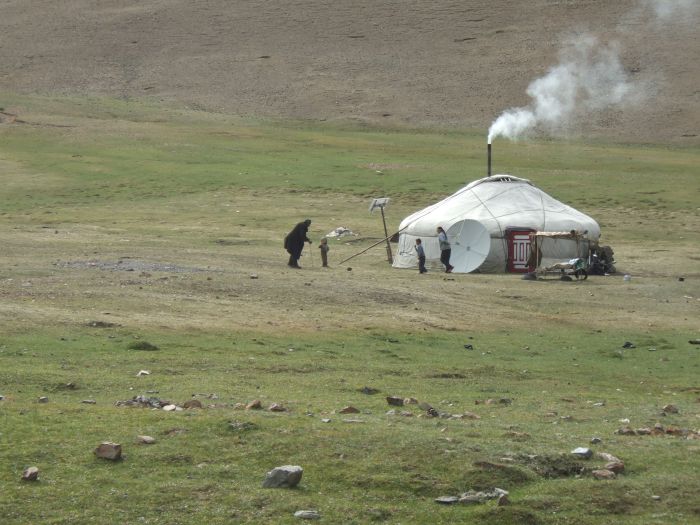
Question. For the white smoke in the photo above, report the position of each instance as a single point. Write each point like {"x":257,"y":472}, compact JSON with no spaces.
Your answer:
{"x":589,"y":77}
{"x":668,"y":9}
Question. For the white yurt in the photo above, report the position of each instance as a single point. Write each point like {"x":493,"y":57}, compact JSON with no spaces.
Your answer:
{"x":489,"y":224}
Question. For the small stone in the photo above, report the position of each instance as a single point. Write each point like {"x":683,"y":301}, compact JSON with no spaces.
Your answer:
{"x":274,"y":407}
{"x":325,"y":420}
{"x":256,"y":404}
{"x":582,"y":452}
{"x":608,"y":457}
{"x":410,"y":401}
{"x":503,"y":500}
{"x":307,"y":514}
{"x":143,"y":373}
{"x":615,"y":466}
{"x":109,"y":450}
{"x":406,"y":413}
{"x":146,"y":440}
{"x":447,"y":500}
{"x":349,"y":410}
{"x":253,"y":275}
{"x":625,"y":431}
{"x":170,"y":408}
{"x":628,"y":344}
{"x":287,"y":476}
{"x":391,"y":412}
{"x":656,"y":498}
{"x":43,"y":399}
{"x":395,"y":401}
{"x":644,"y":431}
{"x":88,"y":401}
{"x":30,"y":474}
{"x":670,"y":409}
{"x":596,"y":441}
{"x":192,"y":403}
{"x":603,"y":474}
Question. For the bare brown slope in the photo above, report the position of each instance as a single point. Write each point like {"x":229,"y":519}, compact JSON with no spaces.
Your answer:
{"x":451,"y":63}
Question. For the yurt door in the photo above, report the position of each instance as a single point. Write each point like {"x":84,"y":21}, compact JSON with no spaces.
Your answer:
{"x":518,"y":249}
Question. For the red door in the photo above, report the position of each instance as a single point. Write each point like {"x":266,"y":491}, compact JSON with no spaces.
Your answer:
{"x":518,"y":249}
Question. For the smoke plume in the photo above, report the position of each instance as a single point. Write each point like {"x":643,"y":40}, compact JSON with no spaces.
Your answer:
{"x":589,"y":77}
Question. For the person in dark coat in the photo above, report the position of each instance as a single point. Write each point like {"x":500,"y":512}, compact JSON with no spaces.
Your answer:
{"x":294,"y":242}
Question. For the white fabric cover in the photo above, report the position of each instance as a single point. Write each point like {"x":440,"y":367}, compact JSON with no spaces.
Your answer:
{"x":499,"y":202}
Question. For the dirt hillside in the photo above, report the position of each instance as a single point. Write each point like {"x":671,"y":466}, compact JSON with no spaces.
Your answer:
{"x":445,"y":63}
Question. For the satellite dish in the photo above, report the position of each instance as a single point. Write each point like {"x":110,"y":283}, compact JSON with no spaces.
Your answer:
{"x":470,"y":242}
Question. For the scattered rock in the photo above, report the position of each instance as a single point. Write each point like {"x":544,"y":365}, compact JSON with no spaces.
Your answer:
{"x":287,"y":476}
{"x":109,"y":450}
{"x":43,"y":399}
{"x":349,"y":410}
{"x":145,"y":440}
{"x":325,"y":420}
{"x":503,"y":500}
{"x":656,"y":498}
{"x":694,"y":341}
{"x":274,"y":407}
{"x":645,"y":431}
{"x":256,"y":404}
{"x":143,"y":402}
{"x":603,"y":474}
{"x":143,"y":373}
{"x":88,"y":401}
{"x":369,"y":390}
{"x":582,"y":452}
{"x":395,"y":401}
{"x":253,"y":275}
{"x":615,"y":466}
{"x":2,"y":398}
{"x":170,"y":408}
{"x":608,"y":457}
{"x":469,"y":347}
{"x":471,"y":415}
{"x":192,"y":403}
{"x":447,"y":500}
{"x":596,"y":441}
{"x":625,"y":431}
{"x":628,"y":344}
{"x":410,"y":401}
{"x":670,"y":409}
{"x":30,"y":474}
{"x":307,"y":514}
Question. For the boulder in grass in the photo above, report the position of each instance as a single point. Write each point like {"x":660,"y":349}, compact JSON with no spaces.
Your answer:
{"x":146,"y":440}
{"x":603,"y":474}
{"x":349,"y":410}
{"x":582,"y":452}
{"x":109,"y":450}
{"x":276,"y":407}
{"x":30,"y":474}
{"x":192,"y":403}
{"x":395,"y":401}
{"x":256,"y":404}
{"x":286,"y":476}
{"x":615,"y":466}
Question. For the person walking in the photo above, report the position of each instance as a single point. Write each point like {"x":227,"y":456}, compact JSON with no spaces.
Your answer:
{"x":445,"y":250}
{"x":421,"y":256}
{"x":294,"y":242}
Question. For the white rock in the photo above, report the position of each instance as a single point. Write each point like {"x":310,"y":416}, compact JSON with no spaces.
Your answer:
{"x":307,"y":514}
{"x":143,"y":373}
{"x":169,"y":408}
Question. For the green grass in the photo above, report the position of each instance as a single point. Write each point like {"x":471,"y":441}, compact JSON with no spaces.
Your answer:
{"x":386,"y":468}
{"x":104,"y":180}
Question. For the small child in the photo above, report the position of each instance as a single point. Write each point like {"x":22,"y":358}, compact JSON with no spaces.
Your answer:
{"x":421,"y":256}
{"x":324,"y":251}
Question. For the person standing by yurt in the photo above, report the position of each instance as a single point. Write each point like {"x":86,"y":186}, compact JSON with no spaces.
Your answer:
{"x":445,"y":250}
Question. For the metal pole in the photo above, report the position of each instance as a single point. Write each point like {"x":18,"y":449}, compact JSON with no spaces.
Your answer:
{"x":389,"y":256}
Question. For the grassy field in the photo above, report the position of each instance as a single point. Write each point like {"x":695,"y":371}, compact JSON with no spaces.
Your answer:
{"x":125,"y":223}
